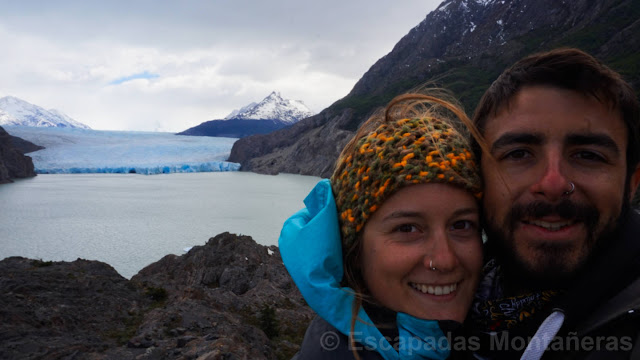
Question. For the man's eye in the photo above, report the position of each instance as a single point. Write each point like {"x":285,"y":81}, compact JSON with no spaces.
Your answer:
{"x":589,"y":155}
{"x":517,"y":154}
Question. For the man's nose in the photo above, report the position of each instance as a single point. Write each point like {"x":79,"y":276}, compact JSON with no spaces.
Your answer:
{"x":552,"y":183}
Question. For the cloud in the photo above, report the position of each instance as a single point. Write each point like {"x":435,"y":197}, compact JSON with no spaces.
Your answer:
{"x":167,"y":65}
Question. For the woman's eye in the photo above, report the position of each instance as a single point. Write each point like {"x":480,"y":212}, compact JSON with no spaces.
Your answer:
{"x":463,"y":225}
{"x":406,"y":228}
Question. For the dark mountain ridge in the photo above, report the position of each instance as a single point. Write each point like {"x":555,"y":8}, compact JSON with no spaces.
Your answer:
{"x":272,"y":113}
{"x":462,"y":46}
{"x":235,"y":128}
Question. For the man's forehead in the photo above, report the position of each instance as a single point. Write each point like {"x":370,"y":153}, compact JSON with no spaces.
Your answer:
{"x":531,"y":130}
{"x":552,"y":112}
{"x":573,"y":138}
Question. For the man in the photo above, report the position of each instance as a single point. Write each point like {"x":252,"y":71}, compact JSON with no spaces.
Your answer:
{"x":560,"y":164}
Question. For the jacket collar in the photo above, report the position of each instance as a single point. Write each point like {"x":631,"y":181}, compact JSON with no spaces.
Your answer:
{"x":626,"y":301}
{"x":615,"y":277}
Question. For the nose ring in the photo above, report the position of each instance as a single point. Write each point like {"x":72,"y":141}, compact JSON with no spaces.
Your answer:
{"x":570,"y":191}
{"x":431,"y":265}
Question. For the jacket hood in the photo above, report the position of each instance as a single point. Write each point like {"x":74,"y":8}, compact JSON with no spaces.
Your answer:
{"x":311,"y":250}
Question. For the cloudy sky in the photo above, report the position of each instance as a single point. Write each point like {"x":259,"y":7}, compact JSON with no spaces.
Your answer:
{"x":160,"y":65}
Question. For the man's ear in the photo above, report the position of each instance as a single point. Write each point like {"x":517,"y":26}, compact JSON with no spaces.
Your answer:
{"x":634,"y":182}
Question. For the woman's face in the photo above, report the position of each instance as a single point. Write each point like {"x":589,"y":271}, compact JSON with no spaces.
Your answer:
{"x":420,"y":227}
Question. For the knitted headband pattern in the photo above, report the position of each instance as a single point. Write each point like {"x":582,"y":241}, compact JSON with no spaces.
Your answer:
{"x":397,"y":154}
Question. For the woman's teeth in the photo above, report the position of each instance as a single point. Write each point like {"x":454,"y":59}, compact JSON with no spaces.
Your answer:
{"x":435,"y":289}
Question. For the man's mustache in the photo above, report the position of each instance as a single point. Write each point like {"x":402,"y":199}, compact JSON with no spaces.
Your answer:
{"x":565,"y":209}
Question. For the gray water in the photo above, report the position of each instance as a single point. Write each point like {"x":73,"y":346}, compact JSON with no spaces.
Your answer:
{"x":130,"y":221}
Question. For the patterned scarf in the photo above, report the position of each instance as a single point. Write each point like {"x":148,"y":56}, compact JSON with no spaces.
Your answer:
{"x":492,"y":311}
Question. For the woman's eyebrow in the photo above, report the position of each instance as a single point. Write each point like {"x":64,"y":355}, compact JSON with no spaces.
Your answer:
{"x":415,"y":214}
{"x":466,"y":211}
{"x":402,"y":214}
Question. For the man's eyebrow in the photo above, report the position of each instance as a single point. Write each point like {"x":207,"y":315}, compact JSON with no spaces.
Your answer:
{"x":601,"y":140}
{"x":517,"y":138}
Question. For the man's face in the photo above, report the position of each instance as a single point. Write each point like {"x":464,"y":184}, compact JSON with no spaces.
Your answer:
{"x":544,"y":140}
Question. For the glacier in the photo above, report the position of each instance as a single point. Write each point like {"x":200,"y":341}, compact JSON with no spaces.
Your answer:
{"x":74,"y":151}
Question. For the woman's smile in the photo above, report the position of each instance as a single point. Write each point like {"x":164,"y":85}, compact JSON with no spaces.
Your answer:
{"x":421,"y":259}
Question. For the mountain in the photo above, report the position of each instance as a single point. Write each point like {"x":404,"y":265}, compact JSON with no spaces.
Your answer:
{"x":234,"y":128}
{"x":14,"y":111}
{"x":463,"y":46}
{"x":233,"y":114}
{"x":273,"y":107}
{"x":270,"y":114}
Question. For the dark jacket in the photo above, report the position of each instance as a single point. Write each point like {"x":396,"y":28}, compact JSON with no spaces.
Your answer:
{"x":614,"y":317}
{"x":324,"y":342}
{"x":601,"y":307}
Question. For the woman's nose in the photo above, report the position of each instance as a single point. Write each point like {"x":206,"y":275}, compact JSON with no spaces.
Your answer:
{"x":441,"y":256}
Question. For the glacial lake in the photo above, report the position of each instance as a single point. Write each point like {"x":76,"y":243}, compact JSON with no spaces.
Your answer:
{"x":130,"y":221}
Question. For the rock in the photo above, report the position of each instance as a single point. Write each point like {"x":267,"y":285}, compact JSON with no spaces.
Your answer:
{"x":181,"y":307}
{"x":13,"y":163}
{"x":184,"y":340}
{"x":56,"y":309}
{"x":309,"y":147}
{"x":24,"y":146}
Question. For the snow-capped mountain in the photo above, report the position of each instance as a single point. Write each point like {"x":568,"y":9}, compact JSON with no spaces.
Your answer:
{"x":14,"y":111}
{"x":236,"y":112}
{"x":268,"y":115}
{"x":273,"y":107}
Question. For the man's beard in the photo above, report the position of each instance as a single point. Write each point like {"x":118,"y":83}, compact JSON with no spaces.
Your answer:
{"x":551,"y":270}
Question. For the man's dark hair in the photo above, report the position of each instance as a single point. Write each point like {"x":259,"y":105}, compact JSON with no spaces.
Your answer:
{"x":569,"y":69}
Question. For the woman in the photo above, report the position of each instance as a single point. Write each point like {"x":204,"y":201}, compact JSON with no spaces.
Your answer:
{"x":388,"y":251}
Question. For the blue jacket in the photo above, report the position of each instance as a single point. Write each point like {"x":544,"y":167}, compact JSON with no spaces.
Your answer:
{"x":311,"y":249}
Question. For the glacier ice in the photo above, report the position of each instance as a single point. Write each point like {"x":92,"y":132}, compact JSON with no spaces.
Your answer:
{"x":72,"y":151}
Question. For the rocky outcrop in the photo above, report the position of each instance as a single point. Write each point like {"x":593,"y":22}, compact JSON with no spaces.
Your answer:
{"x":55,"y":310}
{"x":309,"y":147}
{"x":23,"y":145}
{"x":228,"y":299}
{"x":462,"y":46}
{"x":13,"y":163}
